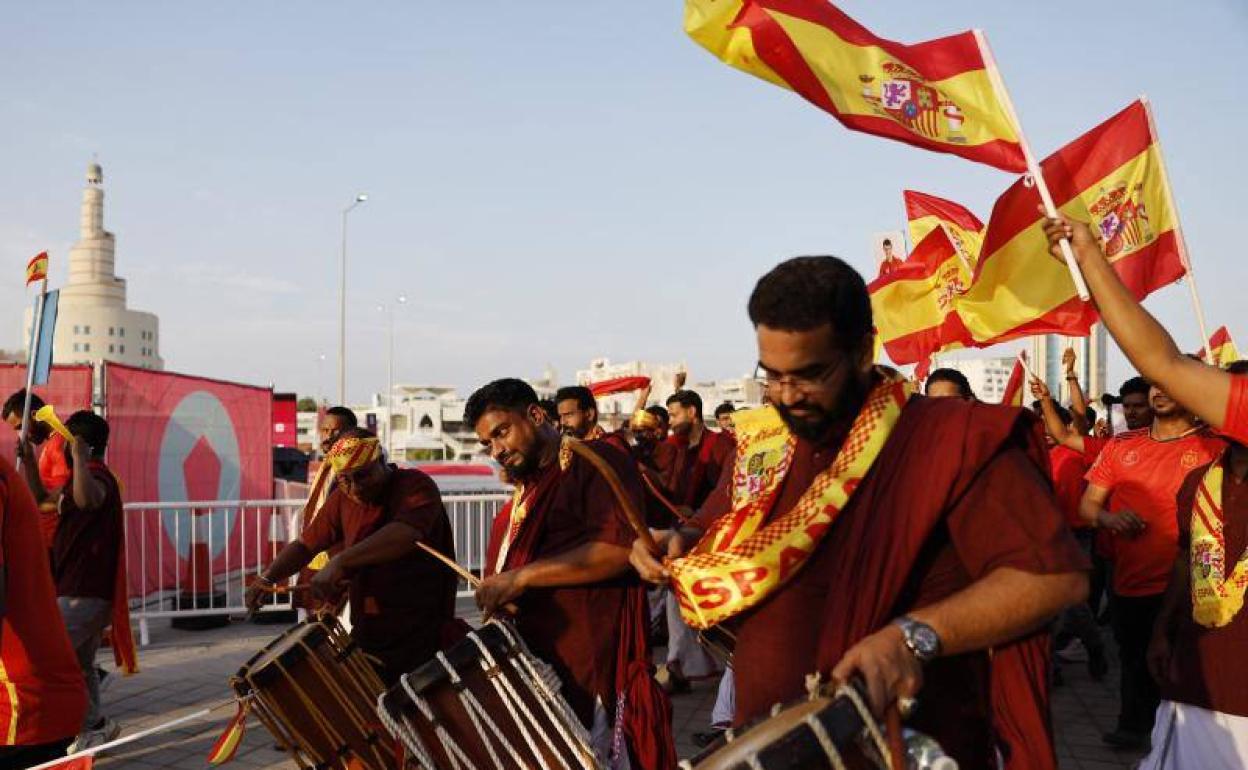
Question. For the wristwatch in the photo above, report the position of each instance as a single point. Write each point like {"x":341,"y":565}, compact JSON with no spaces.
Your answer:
{"x":921,"y":639}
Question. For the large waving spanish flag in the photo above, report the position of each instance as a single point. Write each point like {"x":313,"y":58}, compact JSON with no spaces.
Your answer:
{"x":936,"y":94}
{"x":1112,"y":177}
{"x":925,"y":213}
{"x":913,"y":304}
{"x":1222,"y":348}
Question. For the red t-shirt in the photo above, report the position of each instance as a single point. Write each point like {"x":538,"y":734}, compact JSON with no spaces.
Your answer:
{"x":1235,"y":426}
{"x":1092,"y":447}
{"x":1066,"y":466}
{"x":42,"y":696}
{"x":1143,"y":475}
{"x":54,"y":473}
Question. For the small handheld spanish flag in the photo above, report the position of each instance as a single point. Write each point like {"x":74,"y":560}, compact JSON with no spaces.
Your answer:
{"x":37,"y":268}
{"x":227,"y":745}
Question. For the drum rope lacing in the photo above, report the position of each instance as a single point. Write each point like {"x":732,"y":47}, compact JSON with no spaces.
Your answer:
{"x":453,"y":752}
{"x":502,"y":686}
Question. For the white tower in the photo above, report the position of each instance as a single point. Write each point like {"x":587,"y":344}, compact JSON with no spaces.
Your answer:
{"x":93,"y":323}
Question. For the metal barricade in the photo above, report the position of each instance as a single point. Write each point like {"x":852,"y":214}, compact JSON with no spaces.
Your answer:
{"x":196,"y":559}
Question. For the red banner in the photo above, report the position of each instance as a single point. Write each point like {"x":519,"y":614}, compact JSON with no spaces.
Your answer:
{"x":176,"y":438}
{"x":68,"y":390}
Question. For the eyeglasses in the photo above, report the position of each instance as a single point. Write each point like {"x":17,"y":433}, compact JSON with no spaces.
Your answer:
{"x":806,"y":381}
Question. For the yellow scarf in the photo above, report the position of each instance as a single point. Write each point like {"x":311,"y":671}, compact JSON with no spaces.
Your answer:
{"x":741,"y":559}
{"x":1216,"y":597}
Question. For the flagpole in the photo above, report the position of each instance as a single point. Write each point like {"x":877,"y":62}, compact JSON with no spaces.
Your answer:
{"x":36,"y":329}
{"x":1182,"y":241}
{"x":1033,"y":167}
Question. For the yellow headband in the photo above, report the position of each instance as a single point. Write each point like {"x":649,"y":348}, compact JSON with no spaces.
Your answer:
{"x":353,"y":452}
{"x":642,"y":420}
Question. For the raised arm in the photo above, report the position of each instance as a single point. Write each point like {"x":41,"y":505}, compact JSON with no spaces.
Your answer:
{"x":1203,"y":389}
{"x":1058,"y":430}
{"x":1078,"y":403}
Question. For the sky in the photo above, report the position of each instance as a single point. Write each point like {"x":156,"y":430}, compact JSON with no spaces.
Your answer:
{"x":548,"y":182}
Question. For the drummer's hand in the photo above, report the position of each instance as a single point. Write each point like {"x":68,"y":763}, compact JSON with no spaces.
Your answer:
{"x":647,"y":564}
{"x":255,"y":593}
{"x":329,"y":581}
{"x":498,"y":590}
{"x":886,"y":665}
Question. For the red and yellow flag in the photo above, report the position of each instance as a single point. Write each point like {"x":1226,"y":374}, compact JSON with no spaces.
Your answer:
{"x":37,"y":268}
{"x":1222,"y":348}
{"x":1015,"y":392}
{"x":925,"y":213}
{"x":227,"y":744}
{"x":937,"y":94}
{"x":913,"y":304}
{"x":1112,"y":177}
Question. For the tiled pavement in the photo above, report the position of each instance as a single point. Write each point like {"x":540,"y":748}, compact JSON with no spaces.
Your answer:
{"x":186,"y":671}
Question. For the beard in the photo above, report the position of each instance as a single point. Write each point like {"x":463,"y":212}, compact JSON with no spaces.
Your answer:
{"x":818,"y":422}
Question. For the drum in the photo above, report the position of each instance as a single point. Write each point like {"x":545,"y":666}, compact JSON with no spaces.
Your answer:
{"x":486,"y":702}
{"x":823,"y":731}
{"x":314,"y":690}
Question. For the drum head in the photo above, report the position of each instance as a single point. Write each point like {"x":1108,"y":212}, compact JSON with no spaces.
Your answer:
{"x":289,"y":649}
{"x":464,"y":655}
{"x":787,"y":740}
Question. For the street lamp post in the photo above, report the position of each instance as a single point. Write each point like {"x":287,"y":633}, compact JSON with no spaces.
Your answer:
{"x":389,"y":310}
{"x":342,"y":305}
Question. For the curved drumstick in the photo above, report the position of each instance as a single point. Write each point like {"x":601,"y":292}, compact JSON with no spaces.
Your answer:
{"x":635,"y":519}
{"x":668,"y":504}
{"x":458,"y":569}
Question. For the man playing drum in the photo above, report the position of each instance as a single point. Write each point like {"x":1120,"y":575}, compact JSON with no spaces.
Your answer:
{"x":400,"y":597}
{"x":863,"y":531}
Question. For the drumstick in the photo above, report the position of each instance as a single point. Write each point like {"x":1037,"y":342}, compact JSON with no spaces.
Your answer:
{"x":635,"y":519}
{"x":458,"y":569}
{"x":668,"y":504}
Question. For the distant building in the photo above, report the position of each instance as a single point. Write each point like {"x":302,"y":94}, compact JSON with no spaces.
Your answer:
{"x":93,"y":323}
{"x":1090,"y":367}
{"x":987,"y":376}
{"x":741,"y":392}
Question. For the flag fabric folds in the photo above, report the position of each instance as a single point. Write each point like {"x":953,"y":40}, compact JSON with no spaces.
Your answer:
{"x":1015,"y":392}
{"x":913,"y":304}
{"x":925,"y":213}
{"x":618,"y":385}
{"x":1112,"y":177}
{"x":1222,"y":350}
{"x":937,"y":95}
{"x":227,"y":744}
{"x":37,"y":268}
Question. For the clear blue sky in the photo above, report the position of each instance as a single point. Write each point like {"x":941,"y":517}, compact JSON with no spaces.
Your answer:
{"x":549,"y":181}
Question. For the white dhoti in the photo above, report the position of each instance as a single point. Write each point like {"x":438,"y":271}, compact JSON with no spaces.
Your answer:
{"x":725,"y":701}
{"x":683,"y":650}
{"x":1187,"y":737}
{"x":602,"y":740}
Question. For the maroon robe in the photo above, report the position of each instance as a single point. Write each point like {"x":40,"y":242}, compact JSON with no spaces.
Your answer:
{"x":593,"y":635}
{"x":958,"y":490}
{"x":695,"y":472}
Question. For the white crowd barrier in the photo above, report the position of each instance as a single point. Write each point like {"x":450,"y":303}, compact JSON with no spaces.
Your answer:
{"x":188,"y":560}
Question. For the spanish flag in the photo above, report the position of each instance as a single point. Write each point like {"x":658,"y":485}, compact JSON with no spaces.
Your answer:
{"x":925,"y":213}
{"x":227,"y":744}
{"x":1112,"y":177}
{"x":937,"y":94}
{"x":913,"y":304}
{"x":1015,"y":392}
{"x":37,"y":268}
{"x":1222,"y":348}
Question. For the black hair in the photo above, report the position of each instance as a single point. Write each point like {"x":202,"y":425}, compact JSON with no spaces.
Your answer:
{"x":551,"y":409}
{"x":15,"y":403}
{"x":1238,"y":367}
{"x":725,"y":408}
{"x":950,"y":375}
{"x":348,"y":418}
{"x":659,"y":412}
{"x":582,"y":395}
{"x":1133,"y":385}
{"x":91,"y":427}
{"x":508,"y":393}
{"x":686,"y":398}
{"x":1090,"y":415}
{"x":804,"y":293}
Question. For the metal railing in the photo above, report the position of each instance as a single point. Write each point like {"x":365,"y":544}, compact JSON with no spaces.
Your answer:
{"x":189,"y":560}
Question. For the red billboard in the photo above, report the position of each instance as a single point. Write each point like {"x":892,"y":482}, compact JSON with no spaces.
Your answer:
{"x":285,"y":420}
{"x":176,"y":438}
{"x":68,"y":390}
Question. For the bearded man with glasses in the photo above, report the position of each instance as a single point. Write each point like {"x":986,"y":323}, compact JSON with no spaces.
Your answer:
{"x":867,"y":531}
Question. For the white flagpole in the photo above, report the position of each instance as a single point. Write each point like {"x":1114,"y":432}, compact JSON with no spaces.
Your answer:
{"x":1033,"y":167}
{"x":36,"y":328}
{"x":1178,"y":227}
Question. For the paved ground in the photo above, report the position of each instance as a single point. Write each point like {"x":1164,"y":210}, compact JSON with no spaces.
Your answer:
{"x":186,"y":671}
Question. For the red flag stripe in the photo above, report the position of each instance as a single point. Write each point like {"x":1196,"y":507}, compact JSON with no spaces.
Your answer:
{"x":919,"y":205}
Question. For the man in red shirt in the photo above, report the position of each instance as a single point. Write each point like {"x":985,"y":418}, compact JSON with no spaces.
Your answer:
{"x":1131,"y":493}
{"x":1202,"y":632}
{"x":51,"y":473}
{"x":42,"y":697}
{"x":855,"y":543}
{"x":400,"y":597}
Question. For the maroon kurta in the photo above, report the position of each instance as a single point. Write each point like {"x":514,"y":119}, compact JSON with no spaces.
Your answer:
{"x":958,"y":490}
{"x":695,"y":472}
{"x":398,"y":609}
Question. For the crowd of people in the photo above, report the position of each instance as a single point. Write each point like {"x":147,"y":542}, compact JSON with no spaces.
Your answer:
{"x":941,"y":552}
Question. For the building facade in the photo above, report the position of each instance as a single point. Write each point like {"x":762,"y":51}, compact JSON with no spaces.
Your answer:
{"x":1091,"y":359}
{"x":93,"y":323}
{"x":987,"y":375}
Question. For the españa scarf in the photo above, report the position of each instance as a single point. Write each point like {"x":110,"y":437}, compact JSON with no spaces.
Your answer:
{"x":742,"y":559}
{"x":1216,"y":596}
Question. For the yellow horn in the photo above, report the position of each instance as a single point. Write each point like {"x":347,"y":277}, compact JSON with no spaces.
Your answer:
{"x":46,"y":414}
